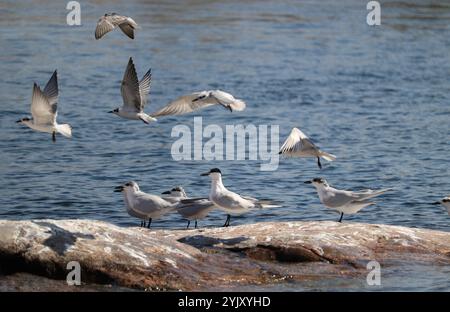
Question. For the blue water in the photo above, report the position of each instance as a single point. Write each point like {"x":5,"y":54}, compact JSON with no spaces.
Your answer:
{"x":377,"y":97}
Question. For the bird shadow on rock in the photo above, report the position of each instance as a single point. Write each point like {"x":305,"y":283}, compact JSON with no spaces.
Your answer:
{"x":201,"y":241}
{"x":60,"y":239}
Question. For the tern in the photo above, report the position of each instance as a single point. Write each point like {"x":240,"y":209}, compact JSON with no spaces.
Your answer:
{"x":228,"y":201}
{"x":142,"y":205}
{"x":44,"y":106}
{"x":299,"y":145}
{"x":108,"y":22}
{"x":444,"y":202}
{"x":175,"y":194}
{"x":197,"y":100}
{"x":189,"y":208}
{"x":134,"y":94}
{"x":347,"y":202}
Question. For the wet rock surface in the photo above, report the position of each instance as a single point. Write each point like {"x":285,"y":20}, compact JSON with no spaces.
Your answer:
{"x":213,"y":258}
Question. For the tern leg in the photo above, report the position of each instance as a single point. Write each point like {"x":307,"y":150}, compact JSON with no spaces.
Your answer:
{"x":54,"y":136}
{"x":340,"y":219}
{"x":227,"y":222}
{"x":189,"y":222}
{"x":195,"y":223}
{"x":318,"y":163}
{"x":145,"y":121}
{"x":143,"y":223}
{"x":149,"y":222}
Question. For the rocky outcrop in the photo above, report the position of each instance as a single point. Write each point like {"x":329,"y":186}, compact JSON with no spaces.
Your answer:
{"x":210,"y":258}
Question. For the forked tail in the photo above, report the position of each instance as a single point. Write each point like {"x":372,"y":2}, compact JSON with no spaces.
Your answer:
{"x":237,"y":105}
{"x":327,"y":156}
{"x":65,"y":130}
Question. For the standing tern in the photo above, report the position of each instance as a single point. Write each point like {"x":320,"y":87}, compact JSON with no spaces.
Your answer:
{"x":108,"y":22}
{"x":228,"y":201}
{"x":44,"y":106}
{"x":197,"y":100}
{"x":175,"y":194}
{"x":142,"y":205}
{"x":444,"y":202}
{"x":343,"y":201}
{"x":134,"y":94}
{"x":189,"y":208}
{"x":299,"y":145}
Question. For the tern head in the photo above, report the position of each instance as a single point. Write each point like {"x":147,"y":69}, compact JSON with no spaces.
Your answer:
{"x":213,"y":173}
{"x":318,"y":182}
{"x":129,"y":186}
{"x":25,"y":120}
{"x":177,"y":191}
{"x":115,"y":111}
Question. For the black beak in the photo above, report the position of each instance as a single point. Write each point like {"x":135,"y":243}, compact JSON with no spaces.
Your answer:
{"x":18,"y":121}
{"x":111,"y":112}
{"x":205,"y":174}
{"x":166,"y":192}
{"x":196,"y":99}
{"x":436,"y":203}
{"x":118,"y":189}
{"x":307,"y":182}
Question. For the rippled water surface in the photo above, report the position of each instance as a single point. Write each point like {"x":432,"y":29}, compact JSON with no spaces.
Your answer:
{"x":377,"y":97}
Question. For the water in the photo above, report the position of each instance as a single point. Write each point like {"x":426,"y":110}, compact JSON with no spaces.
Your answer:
{"x":377,"y":97}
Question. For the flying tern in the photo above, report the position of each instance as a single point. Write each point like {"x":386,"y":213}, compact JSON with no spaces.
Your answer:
{"x":134,"y":94}
{"x":197,"y":100}
{"x":299,"y":145}
{"x":44,"y":110}
{"x":108,"y":22}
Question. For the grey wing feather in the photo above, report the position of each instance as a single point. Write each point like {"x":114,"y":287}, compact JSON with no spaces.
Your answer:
{"x":144,"y":87}
{"x":51,"y":91}
{"x":42,"y":111}
{"x":127,"y":29}
{"x":185,"y":105}
{"x":103,"y":26}
{"x":130,"y":88}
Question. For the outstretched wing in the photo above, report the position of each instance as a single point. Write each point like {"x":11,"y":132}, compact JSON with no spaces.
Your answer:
{"x":43,"y":112}
{"x":186,"y":104}
{"x":130,"y":89}
{"x":107,"y":23}
{"x":51,"y":90}
{"x":144,"y":87}
{"x":127,"y":29}
{"x":295,"y":142}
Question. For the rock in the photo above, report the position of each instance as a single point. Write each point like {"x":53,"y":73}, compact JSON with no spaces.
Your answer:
{"x":253,"y":254}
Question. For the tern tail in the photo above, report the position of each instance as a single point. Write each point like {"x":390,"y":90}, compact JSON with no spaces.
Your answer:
{"x":327,"y":156}
{"x":65,"y":130}
{"x":237,"y":105}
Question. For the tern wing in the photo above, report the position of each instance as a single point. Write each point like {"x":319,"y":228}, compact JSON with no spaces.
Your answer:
{"x":148,"y":204}
{"x":51,"y":89}
{"x":144,"y":87}
{"x":363,"y":195}
{"x":130,"y":89}
{"x":336,"y":198}
{"x":43,"y":112}
{"x":185,"y":104}
{"x":295,"y":142}
{"x":127,"y":29}
{"x":107,"y":23}
{"x":228,"y":100}
{"x":196,"y":208}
